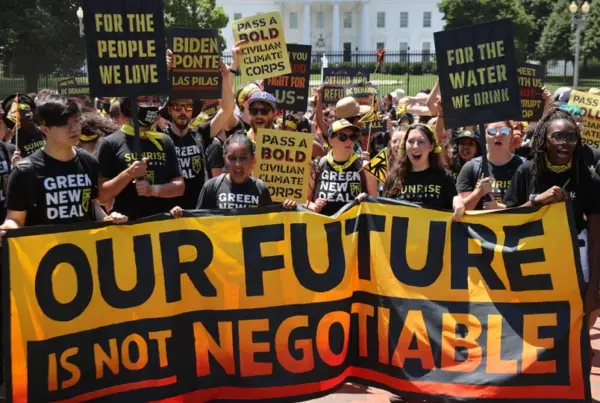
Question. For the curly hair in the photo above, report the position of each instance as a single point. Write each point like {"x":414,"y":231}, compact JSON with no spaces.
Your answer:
{"x":402,"y":166}
{"x":456,"y":163}
{"x":94,"y":123}
{"x":539,"y":149}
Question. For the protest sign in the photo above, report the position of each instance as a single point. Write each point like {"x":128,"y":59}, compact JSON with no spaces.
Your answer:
{"x":265,"y":54}
{"x":283,"y":163}
{"x":291,"y":90}
{"x":196,"y":70}
{"x":531,"y":79}
{"x":211,"y":107}
{"x":76,"y":90}
{"x":262,"y":304}
{"x":67,"y":81}
{"x":477,"y":69}
{"x":590,"y":106}
{"x":335,"y":81}
{"x":125,"y":44}
{"x":363,"y":93}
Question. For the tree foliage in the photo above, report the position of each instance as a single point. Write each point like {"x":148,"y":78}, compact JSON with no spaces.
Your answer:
{"x":461,"y":13}
{"x":540,"y":11}
{"x":590,"y":42}
{"x":556,"y":41}
{"x":196,"y":14}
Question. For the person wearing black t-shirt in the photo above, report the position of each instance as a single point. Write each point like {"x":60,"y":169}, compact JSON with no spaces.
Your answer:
{"x":481,"y":193}
{"x":140,"y":188}
{"x":556,"y":173}
{"x":214,"y":152}
{"x":59,"y":183}
{"x":418,"y":175}
{"x":465,"y":147}
{"x":237,"y":188}
{"x":28,"y":135}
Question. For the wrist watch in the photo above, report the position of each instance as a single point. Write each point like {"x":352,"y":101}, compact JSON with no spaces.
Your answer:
{"x":532,"y":199}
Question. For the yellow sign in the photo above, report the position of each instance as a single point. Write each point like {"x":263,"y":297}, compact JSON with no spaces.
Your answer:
{"x":253,"y":306}
{"x":265,"y":54}
{"x":283,"y":163}
{"x":590,"y":105}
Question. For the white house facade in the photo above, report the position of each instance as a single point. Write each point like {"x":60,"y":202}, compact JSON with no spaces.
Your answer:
{"x":337,"y":25}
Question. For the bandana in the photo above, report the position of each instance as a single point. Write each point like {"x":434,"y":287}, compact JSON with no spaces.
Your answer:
{"x":147,"y":135}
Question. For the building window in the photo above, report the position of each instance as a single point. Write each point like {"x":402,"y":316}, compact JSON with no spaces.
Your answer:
{"x":380,"y":19}
{"x":426,"y":51}
{"x":427,"y":19}
{"x":237,"y":16}
{"x":380,"y":45}
{"x":348,"y":19}
{"x":404,"y":19}
{"x":293,"y":20}
{"x":403,"y":46}
{"x":320,"y":20}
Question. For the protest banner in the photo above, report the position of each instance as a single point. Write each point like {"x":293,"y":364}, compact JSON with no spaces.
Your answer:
{"x":590,"y":106}
{"x":336,"y":80}
{"x":264,"y":304}
{"x":531,"y":81}
{"x":125,"y":45}
{"x":291,"y":90}
{"x":196,"y":70}
{"x":283,"y":163}
{"x":477,"y":69}
{"x":265,"y":54}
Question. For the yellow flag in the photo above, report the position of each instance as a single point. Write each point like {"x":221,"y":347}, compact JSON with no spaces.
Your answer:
{"x":371,"y":116}
{"x":14,"y":113}
{"x":378,"y":166}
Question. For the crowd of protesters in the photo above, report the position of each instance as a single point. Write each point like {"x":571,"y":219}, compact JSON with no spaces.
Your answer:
{"x":65,"y":162}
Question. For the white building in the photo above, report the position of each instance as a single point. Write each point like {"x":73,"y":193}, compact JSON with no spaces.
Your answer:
{"x":335,"y":25}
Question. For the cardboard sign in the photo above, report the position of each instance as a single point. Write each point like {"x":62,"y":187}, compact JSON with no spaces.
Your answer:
{"x":336,"y":80}
{"x":291,"y":90}
{"x":531,"y":81}
{"x":196,"y":71}
{"x":126,"y":50}
{"x":590,"y":105}
{"x":265,"y":54}
{"x":477,"y":68}
{"x":283,"y":163}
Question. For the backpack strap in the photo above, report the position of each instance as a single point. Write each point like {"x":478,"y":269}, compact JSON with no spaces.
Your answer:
{"x":85,"y":163}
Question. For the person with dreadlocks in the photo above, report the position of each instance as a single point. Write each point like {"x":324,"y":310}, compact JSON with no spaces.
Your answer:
{"x":418,"y":175}
{"x":556,"y":173}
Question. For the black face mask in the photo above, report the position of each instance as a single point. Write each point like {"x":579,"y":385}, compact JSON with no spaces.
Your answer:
{"x":147,"y":115}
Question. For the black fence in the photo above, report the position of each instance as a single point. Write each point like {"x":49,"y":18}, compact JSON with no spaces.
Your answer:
{"x":408,"y":70}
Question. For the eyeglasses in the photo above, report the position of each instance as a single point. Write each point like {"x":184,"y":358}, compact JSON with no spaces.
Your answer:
{"x":505,"y":131}
{"x":261,"y":111}
{"x":344,"y":136}
{"x":242,"y":159}
{"x":180,"y":107}
{"x":564,"y":137}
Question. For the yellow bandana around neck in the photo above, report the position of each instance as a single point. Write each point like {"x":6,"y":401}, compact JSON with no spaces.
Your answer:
{"x":341,"y":168}
{"x":558,"y":168}
{"x":149,"y":134}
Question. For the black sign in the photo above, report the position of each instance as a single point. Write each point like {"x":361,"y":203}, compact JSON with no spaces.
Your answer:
{"x":477,"y":68}
{"x":336,"y":80}
{"x":196,"y":67}
{"x":363,"y":93}
{"x":67,"y":81}
{"x":126,"y":52}
{"x":76,"y":90}
{"x":531,"y":81}
{"x":291,"y":90}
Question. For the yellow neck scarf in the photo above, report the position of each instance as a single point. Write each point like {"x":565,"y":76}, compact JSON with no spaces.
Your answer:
{"x":558,"y":168}
{"x":147,"y":135}
{"x":341,"y":168}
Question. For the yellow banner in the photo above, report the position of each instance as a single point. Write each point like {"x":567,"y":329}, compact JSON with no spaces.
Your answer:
{"x":590,"y":105}
{"x":265,"y":54}
{"x":283,"y":163}
{"x":271,"y":305}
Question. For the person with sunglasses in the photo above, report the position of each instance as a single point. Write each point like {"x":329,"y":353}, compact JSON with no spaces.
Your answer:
{"x":481,"y":193}
{"x":339,"y":177}
{"x":140,"y":188}
{"x":558,"y":172}
{"x":261,"y":107}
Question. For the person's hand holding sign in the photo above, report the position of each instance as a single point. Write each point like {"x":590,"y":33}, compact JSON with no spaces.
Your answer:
{"x":553,"y":195}
{"x":236,"y":53}
{"x":138,"y":169}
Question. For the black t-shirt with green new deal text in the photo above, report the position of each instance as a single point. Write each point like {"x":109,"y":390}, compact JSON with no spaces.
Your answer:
{"x":431,"y":188}
{"x":53,"y":191}
{"x":220,"y":193}
{"x":338,"y":188}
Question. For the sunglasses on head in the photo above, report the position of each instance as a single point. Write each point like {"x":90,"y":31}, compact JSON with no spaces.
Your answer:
{"x":180,"y":107}
{"x":505,"y":131}
{"x":564,"y":137}
{"x":344,"y":136}
{"x":262,"y":111}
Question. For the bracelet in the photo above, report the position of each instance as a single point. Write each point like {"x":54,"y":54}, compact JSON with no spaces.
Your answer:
{"x":533,"y":201}
{"x":235,"y":72}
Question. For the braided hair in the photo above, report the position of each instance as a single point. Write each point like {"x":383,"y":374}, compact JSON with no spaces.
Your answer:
{"x":539,"y":148}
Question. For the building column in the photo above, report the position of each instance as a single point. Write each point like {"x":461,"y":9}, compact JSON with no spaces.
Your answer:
{"x":335,"y":46}
{"x":366,"y":41}
{"x":307,"y":23}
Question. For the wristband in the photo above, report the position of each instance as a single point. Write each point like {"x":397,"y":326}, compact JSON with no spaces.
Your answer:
{"x":235,"y":72}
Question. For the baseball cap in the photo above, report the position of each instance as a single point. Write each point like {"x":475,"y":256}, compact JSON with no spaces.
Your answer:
{"x":341,"y":124}
{"x":465,"y":134}
{"x":562,"y":97}
{"x":263,"y":97}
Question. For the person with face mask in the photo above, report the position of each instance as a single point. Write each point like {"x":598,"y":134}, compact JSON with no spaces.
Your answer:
{"x":30,"y":137}
{"x":145,"y":187}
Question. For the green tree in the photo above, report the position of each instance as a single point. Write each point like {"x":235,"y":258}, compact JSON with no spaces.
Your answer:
{"x":41,"y":37}
{"x":540,"y":11}
{"x":556,"y":41}
{"x":460,"y":13}
{"x":196,"y":14}
{"x":590,"y":45}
